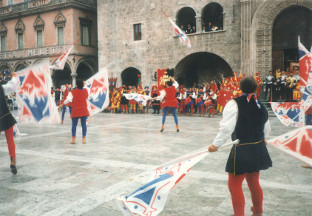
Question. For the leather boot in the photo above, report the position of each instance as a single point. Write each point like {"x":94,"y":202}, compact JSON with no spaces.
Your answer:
{"x":73,"y":140}
{"x":84,"y":140}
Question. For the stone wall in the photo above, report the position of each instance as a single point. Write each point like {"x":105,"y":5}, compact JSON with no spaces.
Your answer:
{"x":159,"y":48}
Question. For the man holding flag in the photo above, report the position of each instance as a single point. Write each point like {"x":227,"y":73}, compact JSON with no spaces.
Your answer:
{"x":246,"y":119}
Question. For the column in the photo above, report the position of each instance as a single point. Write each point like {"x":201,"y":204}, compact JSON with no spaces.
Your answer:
{"x":245,"y":37}
{"x":198,"y":24}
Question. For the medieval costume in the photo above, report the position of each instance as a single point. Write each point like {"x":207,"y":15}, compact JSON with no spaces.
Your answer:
{"x":7,"y":121}
{"x":246,"y":119}
{"x":155,"y":103}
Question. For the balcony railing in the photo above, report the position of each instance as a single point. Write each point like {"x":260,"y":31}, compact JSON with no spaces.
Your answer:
{"x":37,"y":3}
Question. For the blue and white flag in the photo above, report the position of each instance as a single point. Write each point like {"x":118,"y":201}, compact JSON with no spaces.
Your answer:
{"x":142,"y":99}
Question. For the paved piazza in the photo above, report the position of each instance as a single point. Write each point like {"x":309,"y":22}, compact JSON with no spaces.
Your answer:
{"x":57,"y":178}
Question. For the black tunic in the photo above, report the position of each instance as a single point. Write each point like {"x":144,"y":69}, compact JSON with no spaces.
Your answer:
{"x":6,"y":118}
{"x":251,"y":154}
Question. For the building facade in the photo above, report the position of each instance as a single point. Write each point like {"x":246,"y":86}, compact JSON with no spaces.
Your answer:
{"x":135,"y":38}
{"x":35,"y":29}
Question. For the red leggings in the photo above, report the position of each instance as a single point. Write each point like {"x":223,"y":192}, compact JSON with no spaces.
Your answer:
{"x":10,"y":141}
{"x":238,"y":199}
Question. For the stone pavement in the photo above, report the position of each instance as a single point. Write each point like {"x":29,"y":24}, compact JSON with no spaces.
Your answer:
{"x":57,"y":178}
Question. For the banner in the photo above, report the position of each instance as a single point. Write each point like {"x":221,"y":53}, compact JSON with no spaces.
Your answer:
{"x":297,"y":143}
{"x":98,"y":90}
{"x":36,"y":103}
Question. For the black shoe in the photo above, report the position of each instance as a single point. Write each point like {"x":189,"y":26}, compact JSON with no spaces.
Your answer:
{"x":162,"y":130}
{"x":178,"y":130}
{"x":13,"y":166}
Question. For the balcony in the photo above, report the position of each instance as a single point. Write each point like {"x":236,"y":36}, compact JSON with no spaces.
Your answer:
{"x":30,"y":4}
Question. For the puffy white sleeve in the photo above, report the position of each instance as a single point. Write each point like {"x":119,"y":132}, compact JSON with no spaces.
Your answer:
{"x":11,"y":86}
{"x":162,"y":95}
{"x":227,"y":124}
{"x":175,"y":84}
{"x":69,"y":98}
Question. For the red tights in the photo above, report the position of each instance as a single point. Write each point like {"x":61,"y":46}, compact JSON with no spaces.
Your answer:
{"x":238,"y":199}
{"x":10,"y":141}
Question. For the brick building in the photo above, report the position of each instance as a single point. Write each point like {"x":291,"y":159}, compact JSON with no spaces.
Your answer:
{"x":252,"y":35}
{"x":35,"y":29}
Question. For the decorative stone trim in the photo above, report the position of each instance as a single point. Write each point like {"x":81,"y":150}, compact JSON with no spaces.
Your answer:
{"x":20,"y":26}
{"x":59,"y":20}
{"x":39,"y":23}
{"x":3,"y":30}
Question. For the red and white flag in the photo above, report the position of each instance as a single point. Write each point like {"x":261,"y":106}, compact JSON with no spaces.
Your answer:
{"x":61,"y":61}
{"x":297,"y":143}
{"x":181,"y":35}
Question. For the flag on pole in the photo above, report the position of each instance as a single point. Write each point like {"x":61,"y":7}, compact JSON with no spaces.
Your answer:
{"x":34,"y":94}
{"x":61,"y":61}
{"x":297,"y":143}
{"x":98,"y":90}
{"x":305,"y":65}
{"x":181,"y":35}
{"x":150,"y":199}
{"x":142,"y":99}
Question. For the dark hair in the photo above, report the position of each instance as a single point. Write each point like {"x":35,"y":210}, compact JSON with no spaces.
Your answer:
{"x":248,"y":84}
{"x":169,"y":83}
{"x":79,"y":84}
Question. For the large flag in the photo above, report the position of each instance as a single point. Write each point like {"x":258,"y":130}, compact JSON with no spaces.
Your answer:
{"x":297,"y":143}
{"x":306,"y":99}
{"x":305,"y":65}
{"x":289,"y":113}
{"x":98,"y":92}
{"x":61,"y":61}
{"x":142,"y":99}
{"x":181,"y":35}
{"x":150,"y":199}
{"x":36,"y":103}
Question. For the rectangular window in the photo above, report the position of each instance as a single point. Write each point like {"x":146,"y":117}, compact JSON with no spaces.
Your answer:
{"x":20,"y":41}
{"x":3,"y":43}
{"x":137,"y":32}
{"x":85,"y":35}
{"x":39,"y":38}
{"x":10,"y":2}
{"x":60,"y":35}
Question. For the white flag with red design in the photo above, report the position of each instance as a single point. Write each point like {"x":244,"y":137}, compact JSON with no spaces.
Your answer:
{"x":297,"y":143}
{"x":98,"y":90}
{"x":61,"y":61}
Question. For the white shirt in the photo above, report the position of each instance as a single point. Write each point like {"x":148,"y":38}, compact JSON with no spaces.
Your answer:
{"x":70,"y":96}
{"x":163,"y":92}
{"x":11,"y":86}
{"x":228,"y":123}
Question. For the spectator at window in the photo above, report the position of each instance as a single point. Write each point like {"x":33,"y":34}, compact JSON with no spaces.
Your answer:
{"x":189,"y":29}
{"x":214,"y":28}
{"x":204,"y":28}
{"x":209,"y":27}
{"x":182,"y":28}
{"x":194,"y":29}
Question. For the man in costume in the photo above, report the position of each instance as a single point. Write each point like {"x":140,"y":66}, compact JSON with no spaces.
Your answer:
{"x":246,"y":119}
{"x":78,"y":99}
{"x":7,"y":121}
{"x":170,"y":103}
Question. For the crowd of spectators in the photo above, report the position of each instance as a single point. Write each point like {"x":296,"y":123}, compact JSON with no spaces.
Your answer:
{"x":190,"y":29}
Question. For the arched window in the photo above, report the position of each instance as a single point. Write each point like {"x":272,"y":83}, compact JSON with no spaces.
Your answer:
{"x":212,"y":17}
{"x":186,"y":20}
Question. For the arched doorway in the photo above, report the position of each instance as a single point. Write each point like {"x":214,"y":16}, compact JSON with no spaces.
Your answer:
{"x":185,"y":17}
{"x":262,"y":31}
{"x":199,"y":68}
{"x":84,"y":71}
{"x":130,"y":77}
{"x":290,"y":23}
{"x":213,"y":13}
{"x":62,"y":77}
